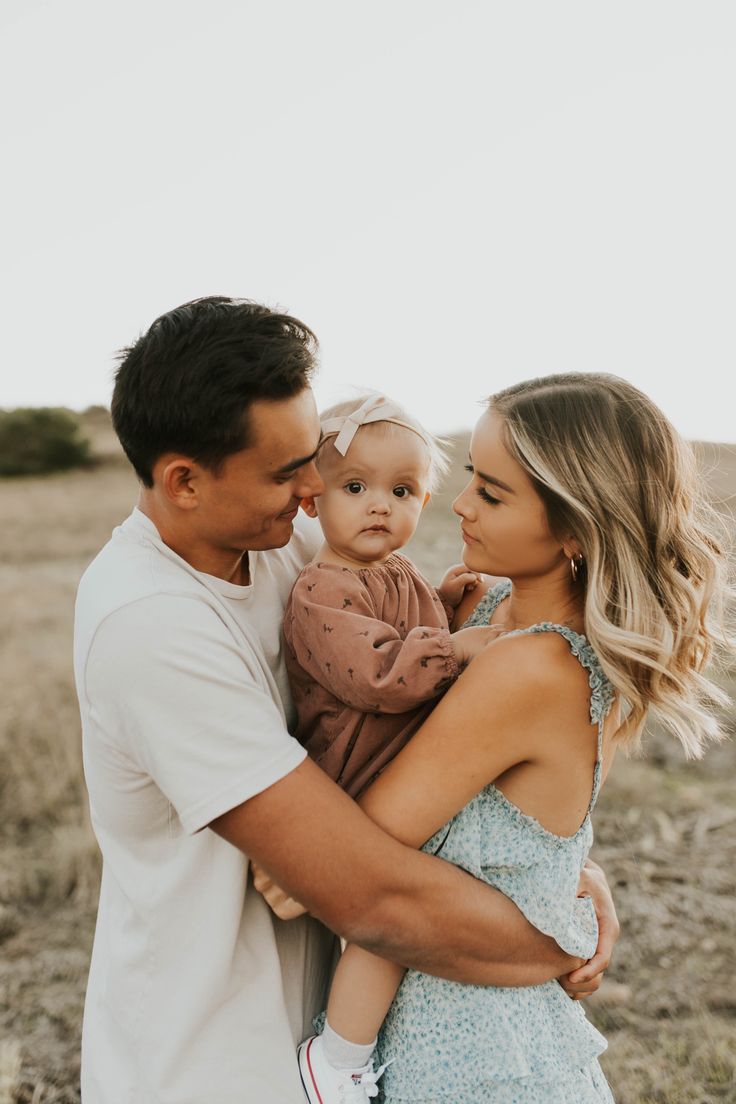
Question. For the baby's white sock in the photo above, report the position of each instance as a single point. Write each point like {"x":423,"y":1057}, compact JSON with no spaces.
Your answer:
{"x":342,"y":1054}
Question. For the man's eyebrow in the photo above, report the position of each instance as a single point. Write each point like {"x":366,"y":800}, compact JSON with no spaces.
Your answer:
{"x":300,"y":461}
{"x":492,"y":480}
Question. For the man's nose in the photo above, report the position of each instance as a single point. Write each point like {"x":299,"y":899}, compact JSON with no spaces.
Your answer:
{"x":312,"y":482}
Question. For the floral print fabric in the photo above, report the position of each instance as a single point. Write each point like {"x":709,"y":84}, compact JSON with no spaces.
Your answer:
{"x":368,"y":653}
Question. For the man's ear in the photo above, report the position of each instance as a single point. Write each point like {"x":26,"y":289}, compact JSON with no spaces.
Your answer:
{"x":426,"y":499}
{"x":309,"y":507}
{"x":177,"y":476}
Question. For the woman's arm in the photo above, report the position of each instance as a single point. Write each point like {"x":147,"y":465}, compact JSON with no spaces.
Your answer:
{"x":472,"y":737}
{"x":487,"y":723}
{"x":456,"y":752}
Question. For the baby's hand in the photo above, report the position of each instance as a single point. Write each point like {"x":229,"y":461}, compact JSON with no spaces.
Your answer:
{"x":467,"y":643}
{"x":285,"y":907}
{"x":455,"y":582}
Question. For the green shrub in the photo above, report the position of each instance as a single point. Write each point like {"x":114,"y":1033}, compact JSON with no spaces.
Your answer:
{"x":37,"y":440}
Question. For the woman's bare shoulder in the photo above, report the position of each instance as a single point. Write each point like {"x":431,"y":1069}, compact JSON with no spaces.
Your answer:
{"x":531,"y":669}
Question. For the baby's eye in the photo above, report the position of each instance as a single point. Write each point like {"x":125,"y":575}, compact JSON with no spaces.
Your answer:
{"x":354,"y":487}
{"x":401,"y":491}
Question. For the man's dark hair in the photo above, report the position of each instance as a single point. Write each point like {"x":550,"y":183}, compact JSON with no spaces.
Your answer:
{"x":186,"y":384}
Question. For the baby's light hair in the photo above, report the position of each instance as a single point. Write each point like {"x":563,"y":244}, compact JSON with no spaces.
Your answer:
{"x":614,"y":473}
{"x":439,"y":463}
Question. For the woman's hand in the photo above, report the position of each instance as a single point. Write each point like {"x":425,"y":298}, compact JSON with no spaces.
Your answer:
{"x":585,"y":980}
{"x":285,"y":907}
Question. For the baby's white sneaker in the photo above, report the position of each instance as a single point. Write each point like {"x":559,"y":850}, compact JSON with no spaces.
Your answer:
{"x":323,"y":1084}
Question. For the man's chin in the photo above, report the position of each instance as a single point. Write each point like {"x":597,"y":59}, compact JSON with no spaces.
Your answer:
{"x":289,"y":525}
{"x":277,"y":535}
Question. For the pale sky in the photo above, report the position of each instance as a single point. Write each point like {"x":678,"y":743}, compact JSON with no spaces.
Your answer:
{"x":455,"y":196}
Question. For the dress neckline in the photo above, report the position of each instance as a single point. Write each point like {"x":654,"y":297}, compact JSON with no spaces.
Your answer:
{"x":394,"y":562}
{"x":500,"y":592}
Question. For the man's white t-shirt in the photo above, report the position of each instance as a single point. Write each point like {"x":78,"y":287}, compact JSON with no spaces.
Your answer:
{"x":196,"y":992}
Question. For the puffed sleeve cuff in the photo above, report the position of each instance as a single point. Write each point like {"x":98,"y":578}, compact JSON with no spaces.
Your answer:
{"x":448,"y":608}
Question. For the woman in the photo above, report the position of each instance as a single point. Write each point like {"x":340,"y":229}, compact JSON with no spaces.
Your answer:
{"x":584,"y":498}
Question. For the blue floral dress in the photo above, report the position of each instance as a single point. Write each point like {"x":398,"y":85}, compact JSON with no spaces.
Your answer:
{"x":451,"y":1043}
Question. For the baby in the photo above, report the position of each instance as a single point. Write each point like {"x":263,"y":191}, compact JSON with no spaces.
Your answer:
{"x":369,"y":650}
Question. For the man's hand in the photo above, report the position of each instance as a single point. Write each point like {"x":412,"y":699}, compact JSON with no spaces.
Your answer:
{"x":584,"y":981}
{"x":455,"y":582}
{"x":285,"y":907}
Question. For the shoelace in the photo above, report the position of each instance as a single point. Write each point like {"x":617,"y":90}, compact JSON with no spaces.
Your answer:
{"x":367,"y":1086}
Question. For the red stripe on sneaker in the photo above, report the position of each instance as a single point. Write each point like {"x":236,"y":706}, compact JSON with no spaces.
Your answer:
{"x":311,"y":1072}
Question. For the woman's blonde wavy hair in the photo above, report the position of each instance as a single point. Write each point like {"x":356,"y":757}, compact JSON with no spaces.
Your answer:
{"x":615,"y":475}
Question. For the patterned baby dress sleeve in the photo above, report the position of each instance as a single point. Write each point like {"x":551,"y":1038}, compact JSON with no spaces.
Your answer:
{"x":337,"y":639}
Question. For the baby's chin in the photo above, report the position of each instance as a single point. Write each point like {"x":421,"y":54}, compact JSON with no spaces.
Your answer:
{"x":367,"y":549}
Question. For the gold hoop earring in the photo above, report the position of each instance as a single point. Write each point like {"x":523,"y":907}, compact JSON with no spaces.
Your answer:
{"x":576,"y":562}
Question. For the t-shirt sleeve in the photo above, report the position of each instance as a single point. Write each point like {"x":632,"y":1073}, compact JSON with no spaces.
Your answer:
{"x":171,"y":688}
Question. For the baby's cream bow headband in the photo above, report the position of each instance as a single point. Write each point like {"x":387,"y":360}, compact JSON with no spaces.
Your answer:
{"x":376,"y":408}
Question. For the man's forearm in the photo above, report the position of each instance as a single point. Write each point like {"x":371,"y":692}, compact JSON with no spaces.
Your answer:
{"x":447,"y":923}
{"x":404,"y":905}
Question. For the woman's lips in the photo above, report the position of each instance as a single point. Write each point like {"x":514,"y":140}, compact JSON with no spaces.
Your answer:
{"x":467,"y":538}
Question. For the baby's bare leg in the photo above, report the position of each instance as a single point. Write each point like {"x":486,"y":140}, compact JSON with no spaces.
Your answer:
{"x":361,"y":994}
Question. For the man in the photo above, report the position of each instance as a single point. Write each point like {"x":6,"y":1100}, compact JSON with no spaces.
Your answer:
{"x":196,"y":992}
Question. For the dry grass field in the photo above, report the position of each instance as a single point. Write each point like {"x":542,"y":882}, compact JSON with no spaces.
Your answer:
{"x":665,"y":830}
